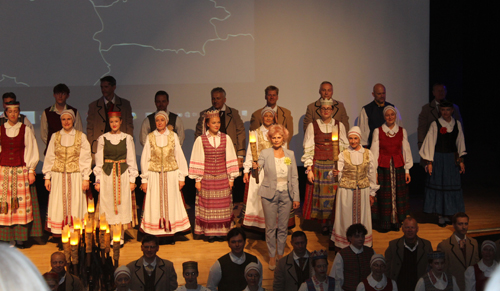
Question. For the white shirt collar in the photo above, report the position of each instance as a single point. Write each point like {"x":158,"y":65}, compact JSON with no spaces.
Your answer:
{"x":17,"y":125}
{"x":355,"y":250}
{"x":153,"y":264}
{"x":209,"y":135}
{"x":487,"y":270}
{"x":394,"y":130}
{"x":237,"y":260}
{"x":295,"y":257}
{"x":458,"y":239}
{"x":411,"y":249}
{"x":157,"y":133}
{"x":72,"y":132}
{"x":449,"y":125}
{"x":350,"y":149}
{"x":375,"y":284}
{"x":112,"y":100}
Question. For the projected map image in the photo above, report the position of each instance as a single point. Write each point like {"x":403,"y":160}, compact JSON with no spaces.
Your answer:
{"x":136,"y":41}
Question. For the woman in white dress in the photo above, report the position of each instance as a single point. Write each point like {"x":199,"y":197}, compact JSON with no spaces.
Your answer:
{"x":356,"y":172}
{"x":164,"y":169}
{"x":115,"y":173}
{"x":67,"y":170}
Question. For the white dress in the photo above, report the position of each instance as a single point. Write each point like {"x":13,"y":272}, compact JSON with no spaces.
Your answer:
{"x":76,"y":203}
{"x":106,"y":195}
{"x":177,"y":215}
{"x":347,"y":210}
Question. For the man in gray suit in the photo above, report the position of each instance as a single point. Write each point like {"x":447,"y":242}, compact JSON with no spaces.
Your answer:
{"x":97,"y":119}
{"x":293,"y":269}
{"x":150,"y":272}
{"x":406,"y":257}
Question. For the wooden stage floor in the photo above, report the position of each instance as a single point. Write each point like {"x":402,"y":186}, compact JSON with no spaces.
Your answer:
{"x":482,"y":209}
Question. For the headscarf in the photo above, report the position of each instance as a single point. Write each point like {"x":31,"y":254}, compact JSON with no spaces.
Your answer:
{"x":69,"y":112}
{"x":122,"y":270}
{"x":354,"y":130}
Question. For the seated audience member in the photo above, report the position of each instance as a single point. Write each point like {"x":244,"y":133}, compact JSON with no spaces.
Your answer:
{"x":58,"y":264}
{"x":352,"y":263}
{"x":437,"y":278}
{"x":228,"y":272}
{"x":190,"y":274}
{"x":377,"y":279}
{"x":293,"y":269}
{"x":253,"y":275}
{"x":52,"y":280}
{"x":150,"y":272}
{"x":320,"y":281}
{"x":478,"y":275}
{"x":122,"y":278}
{"x":406,"y":257}
{"x":460,"y":250}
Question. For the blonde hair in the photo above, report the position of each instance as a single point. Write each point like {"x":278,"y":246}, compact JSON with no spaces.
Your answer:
{"x":278,"y":128}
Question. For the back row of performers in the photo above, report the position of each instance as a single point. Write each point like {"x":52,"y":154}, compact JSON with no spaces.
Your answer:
{"x":215,"y":164}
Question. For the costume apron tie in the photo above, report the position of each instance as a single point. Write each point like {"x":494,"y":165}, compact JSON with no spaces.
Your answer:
{"x":116,"y":168}
{"x":164,"y":222}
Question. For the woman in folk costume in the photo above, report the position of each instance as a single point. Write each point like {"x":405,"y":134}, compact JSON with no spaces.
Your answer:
{"x":115,"y":173}
{"x":164,"y":169}
{"x":392,"y":152}
{"x":214,"y":166}
{"x":436,"y":278}
{"x":318,"y":157}
{"x":67,"y":170}
{"x":443,"y":150}
{"x":377,"y":280}
{"x":320,"y":280}
{"x":18,"y":159}
{"x":478,"y":275}
{"x":356,"y":193}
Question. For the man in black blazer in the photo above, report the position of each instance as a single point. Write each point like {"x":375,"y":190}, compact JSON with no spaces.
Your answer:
{"x":406,"y":257}
{"x":293,"y":269}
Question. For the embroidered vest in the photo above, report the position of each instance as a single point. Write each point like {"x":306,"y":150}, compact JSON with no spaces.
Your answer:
{"x":481,"y":279}
{"x":388,"y":287}
{"x":162,"y":158}
{"x":331,"y":284}
{"x":54,"y":123}
{"x":172,"y":117}
{"x":116,"y":153}
{"x":262,"y":143}
{"x":12,"y":154}
{"x":323,"y":144}
{"x":390,"y":148}
{"x":355,"y":176}
{"x":67,"y":158}
{"x":233,"y":277}
{"x":356,"y":267}
{"x":215,"y":158}
{"x":430,"y":287}
{"x":446,"y":143}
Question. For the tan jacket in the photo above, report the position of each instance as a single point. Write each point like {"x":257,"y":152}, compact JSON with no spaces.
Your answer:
{"x":394,"y":256}
{"x":165,"y":276}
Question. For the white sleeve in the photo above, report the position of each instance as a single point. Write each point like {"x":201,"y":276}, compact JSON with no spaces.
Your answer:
{"x":429,"y":144}
{"x":394,"y":285}
{"x":214,"y":276}
{"x":361,"y":287}
{"x":179,"y":127}
{"x":27,"y":122}
{"x":233,"y":170}
{"x":180,"y":159}
{"x":197,"y":163}
{"x":470,"y":279}
{"x":247,"y":165}
{"x":145,"y":158}
{"x":455,"y":286}
{"x":48,"y":163}
{"x":78,"y":122}
{"x":85,"y":158}
{"x":131,"y":159}
{"x":99,"y":158}
{"x":337,"y":271}
{"x":31,"y":155}
{"x":460,"y":140}
{"x":44,"y":130}
{"x":372,"y":175}
{"x":344,"y":142}
{"x":145,"y":130}
{"x":420,"y":285}
{"x":303,"y":286}
{"x":340,"y":165}
{"x":308,"y":145}
{"x":363,"y":126}
{"x":408,"y":158}
{"x":375,"y":147}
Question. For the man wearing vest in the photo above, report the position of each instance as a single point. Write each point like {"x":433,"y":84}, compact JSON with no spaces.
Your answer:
{"x":67,"y":282}
{"x":460,"y":250}
{"x":372,"y":115}
{"x":150,"y":272}
{"x":407,"y":256}
{"x":293,"y":269}
{"x":9,"y":97}
{"x":227,"y":273}
{"x":174,"y":121}
{"x":352,"y":263}
{"x":51,"y":116}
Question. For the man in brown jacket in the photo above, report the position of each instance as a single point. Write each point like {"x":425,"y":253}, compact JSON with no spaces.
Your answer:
{"x":71,"y":282}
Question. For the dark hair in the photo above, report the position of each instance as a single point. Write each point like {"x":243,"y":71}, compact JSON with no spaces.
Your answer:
{"x":150,"y":238}
{"x":110,"y":79}
{"x":235,"y":232}
{"x":313,"y":261}
{"x":458,"y":214}
{"x":61,"y":88}
{"x":325,"y":82}
{"x":272,"y":88}
{"x":438,"y":84}
{"x":356,"y":228}
{"x":299,"y":233}
{"x":217,"y":90}
{"x":9,"y":95}
{"x":445,"y":104}
{"x":161,"y":93}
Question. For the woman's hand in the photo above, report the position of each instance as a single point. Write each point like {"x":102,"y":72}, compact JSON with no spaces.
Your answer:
{"x":181,"y":184}
{"x":407,"y":178}
{"x":231,"y":184}
{"x":462,"y":168}
{"x":428,"y":169}
{"x":85,"y":185}
{"x":97,"y":187}
{"x":296,"y":205}
{"x":376,"y":178}
{"x":246,"y":178}
{"x":132,"y":186}
{"x":255,"y":166}
{"x":372,"y":200}
{"x":335,"y":172}
{"x":197,"y":185}
{"x":310,"y":177}
{"x":31,"y":178}
{"x":47,"y":184}
{"x":144,"y":187}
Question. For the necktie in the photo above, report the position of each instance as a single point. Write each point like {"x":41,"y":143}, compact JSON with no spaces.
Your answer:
{"x":110,"y":106}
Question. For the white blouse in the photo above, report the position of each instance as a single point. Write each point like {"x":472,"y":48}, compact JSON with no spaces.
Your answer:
{"x":308,"y":144}
{"x":375,"y":284}
{"x":441,"y":283}
{"x":470,"y":275}
{"x":31,"y":156}
{"x":357,"y":159}
{"x":375,"y":148}
{"x":281,"y":174}
{"x":161,"y":141}
{"x":429,"y":144}
{"x":67,"y":140}
{"x":115,"y":139}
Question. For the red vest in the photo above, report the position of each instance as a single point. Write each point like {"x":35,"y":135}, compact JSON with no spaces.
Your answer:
{"x":323,"y":145}
{"x":215,"y":158}
{"x":388,"y":287}
{"x":12,"y":154}
{"x":390,"y":147}
{"x":481,"y":279}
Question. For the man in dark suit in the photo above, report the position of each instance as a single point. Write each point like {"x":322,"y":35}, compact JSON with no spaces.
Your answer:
{"x":406,"y":257}
{"x":231,"y":123}
{"x":150,"y":272}
{"x":293,"y":269}
{"x":97,"y":119}
{"x":430,"y":112}
{"x":283,"y":115}
{"x":461,"y":251}
{"x":339,"y":113}
{"x":71,"y":282}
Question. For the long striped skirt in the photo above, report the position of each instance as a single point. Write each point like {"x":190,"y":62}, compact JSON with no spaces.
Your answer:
{"x":393,"y":202}
{"x":319,"y":200}
{"x":214,"y":211}
{"x":443,"y":190}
